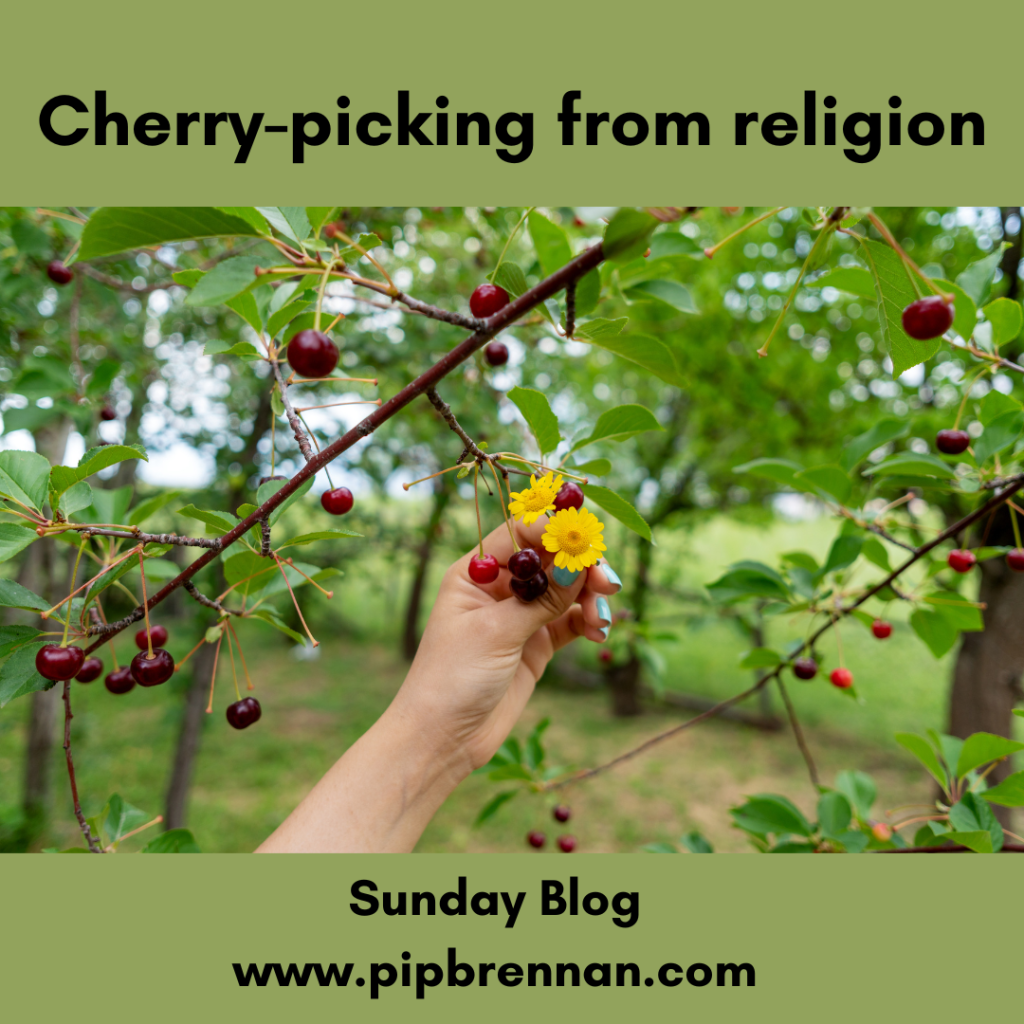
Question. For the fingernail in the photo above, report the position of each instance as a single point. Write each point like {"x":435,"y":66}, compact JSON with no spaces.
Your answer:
{"x":564,"y":577}
{"x":604,"y":610}
{"x":611,"y":575}
{"x":606,"y":630}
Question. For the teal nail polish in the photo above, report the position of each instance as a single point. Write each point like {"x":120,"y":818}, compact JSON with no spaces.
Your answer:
{"x":606,"y":630}
{"x":604,"y":610}
{"x":564,"y":577}
{"x":610,"y":574}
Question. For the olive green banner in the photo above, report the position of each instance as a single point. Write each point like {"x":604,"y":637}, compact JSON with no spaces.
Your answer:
{"x":721,"y":938}
{"x":218,"y":104}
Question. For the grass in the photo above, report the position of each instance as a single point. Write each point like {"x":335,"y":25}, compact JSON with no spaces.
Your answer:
{"x":245,"y":783}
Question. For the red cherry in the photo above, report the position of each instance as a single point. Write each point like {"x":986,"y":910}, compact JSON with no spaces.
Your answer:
{"x":928,"y":318}
{"x":58,"y":273}
{"x":525,"y":564}
{"x":566,"y":843}
{"x":120,"y":680}
{"x":561,"y":813}
{"x":337,"y":502}
{"x":312,"y":354}
{"x":159,"y":634}
{"x":59,"y":663}
{"x":90,"y":670}
{"x":536,"y":839}
{"x":952,"y":442}
{"x":148,"y":671}
{"x":961,"y":561}
{"x":487,"y":300}
{"x":529,"y":590}
{"x":842,"y":678}
{"x":881,"y":629}
{"x":569,"y":496}
{"x":805,"y":668}
{"x":1015,"y":559}
{"x":244,"y":713}
{"x":605,"y":655}
{"x":577,"y":222}
{"x":483,"y":568}
{"x":496,"y":353}
{"x":107,"y":413}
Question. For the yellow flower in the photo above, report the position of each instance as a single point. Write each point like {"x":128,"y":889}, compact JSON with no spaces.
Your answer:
{"x":575,"y":537}
{"x":530,"y":504}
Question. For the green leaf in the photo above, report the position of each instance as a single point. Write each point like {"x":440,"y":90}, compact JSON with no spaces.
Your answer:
{"x":538,"y":415}
{"x":14,"y":595}
{"x":174,"y":840}
{"x":14,"y":538}
{"x":976,"y":279}
{"x":830,"y":479}
{"x":965,"y":313}
{"x":671,"y":293}
{"x":222,"y":348}
{"x":760,"y":657}
{"x":26,"y":476}
{"x":550,"y":243}
{"x":18,"y":674}
{"x":1009,"y":792}
{"x":268,"y":615}
{"x":853,"y":280}
{"x":276,"y":584}
{"x":895,"y":293}
{"x":650,"y":353}
{"x":882,"y":432}
{"x":271,"y":487}
{"x":620,"y":423}
{"x":982,"y":747}
{"x":248,"y":565}
{"x":960,"y":614}
{"x":617,"y":507}
{"x":781,"y":470}
{"x":493,"y":806}
{"x":997,"y":435}
{"x":114,"y":229}
{"x":318,"y":217}
{"x":284,"y":316}
{"x":972,"y":814}
{"x":138,"y":515}
{"x":696,"y":843}
{"x":366,"y":241}
{"x":628,"y":234}
{"x":511,"y":277}
{"x":876,"y":553}
{"x":108,"y":506}
{"x":188,"y":278}
{"x":659,"y":848}
{"x":309,"y":538}
{"x":769,"y":813}
{"x":595,"y":467}
{"x":911,"y":464}
{"x":12,"y":637}
{"x":844,"y":552}
{"x":250,"y":215}
{"x":600,"y":328}
{"x":95,"y":459}
{"x":225,"y":281}
{"x":748,"y":579}
{"x":290,"y":221}
{"x":1006,"y":318}
{"x":121,"y":817}
{"x":938,"y":634}
{"x":247,"y":307}
{"x":834,"y":813}
{"x":588,"y":293}
{"x":511,"y":771}
{"x":922,"y":750}
{"x":859,"y":788}
{"x":979,"y":842}
{"x":75,"y":498}
{"x":217,"y":522}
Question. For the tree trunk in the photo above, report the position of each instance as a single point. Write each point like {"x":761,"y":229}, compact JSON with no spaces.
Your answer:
{"x":987,"y":675}
{"x":431,"y":532}
{"x":189,"y":736}
{"x":39,"y":572}
{"x":624,"y":687}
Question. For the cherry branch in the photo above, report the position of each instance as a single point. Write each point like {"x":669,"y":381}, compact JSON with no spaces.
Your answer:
{"x":94,"y":847}
{"x":137,"y":535}
{"x":581,"y":264}
{"x":206,"y":602}
{"x":293,"y":418}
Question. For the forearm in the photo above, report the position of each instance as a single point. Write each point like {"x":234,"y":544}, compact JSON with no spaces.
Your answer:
{"x":380,"y":795}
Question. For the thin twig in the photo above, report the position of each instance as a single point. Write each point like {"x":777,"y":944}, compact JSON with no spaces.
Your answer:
{"x":94,"y":846}
{"x":207,"y":602}
{"x":798,"y":733}
{"x":300,"y":435}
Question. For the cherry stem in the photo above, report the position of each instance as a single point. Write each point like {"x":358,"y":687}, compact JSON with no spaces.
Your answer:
{"x":245,"y":667}
{"x":330,"y":327}
{"x":88,"y":583}
{"x":331,"y":405}
{"x":967,"y":394}
{"x":504,"y":511}
{"x":94,"y":847}
{"x":74,"y":573}
{"x":187,"y":656}
{"x":798,"y":733}
{"x":234,"y":671}
{"x":440,"y":472}
{"x":1016,"y":527}
{"x":145,"y":606}
{"x":136,"y":831}
{"x":476,"y":499}
{"x":320,"y":298}
{"x":213,"y":673}
{"x":508,"y":242}
{"x":710,"y":252}
{"x":287,"y":583}
{"x":327,"y":593}
{"x":825,"y":232}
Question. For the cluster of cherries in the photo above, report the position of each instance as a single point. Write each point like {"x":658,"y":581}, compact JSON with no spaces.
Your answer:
{"x":485,"y":301}
{"x":529,"y":580}
{"x":566,"y":844}
{"x":841,"y":678}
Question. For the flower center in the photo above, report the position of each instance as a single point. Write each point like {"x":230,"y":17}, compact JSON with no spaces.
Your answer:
{"x":575,"y":543}
{"x":536,"y":501}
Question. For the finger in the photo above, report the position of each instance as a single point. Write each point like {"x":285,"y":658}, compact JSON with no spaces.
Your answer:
{"x":499,"y":544}
{"x":519,"y":620}
{"x":570,"y":627}
{"x":596,"y":610}
{"x":603,"y":579}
